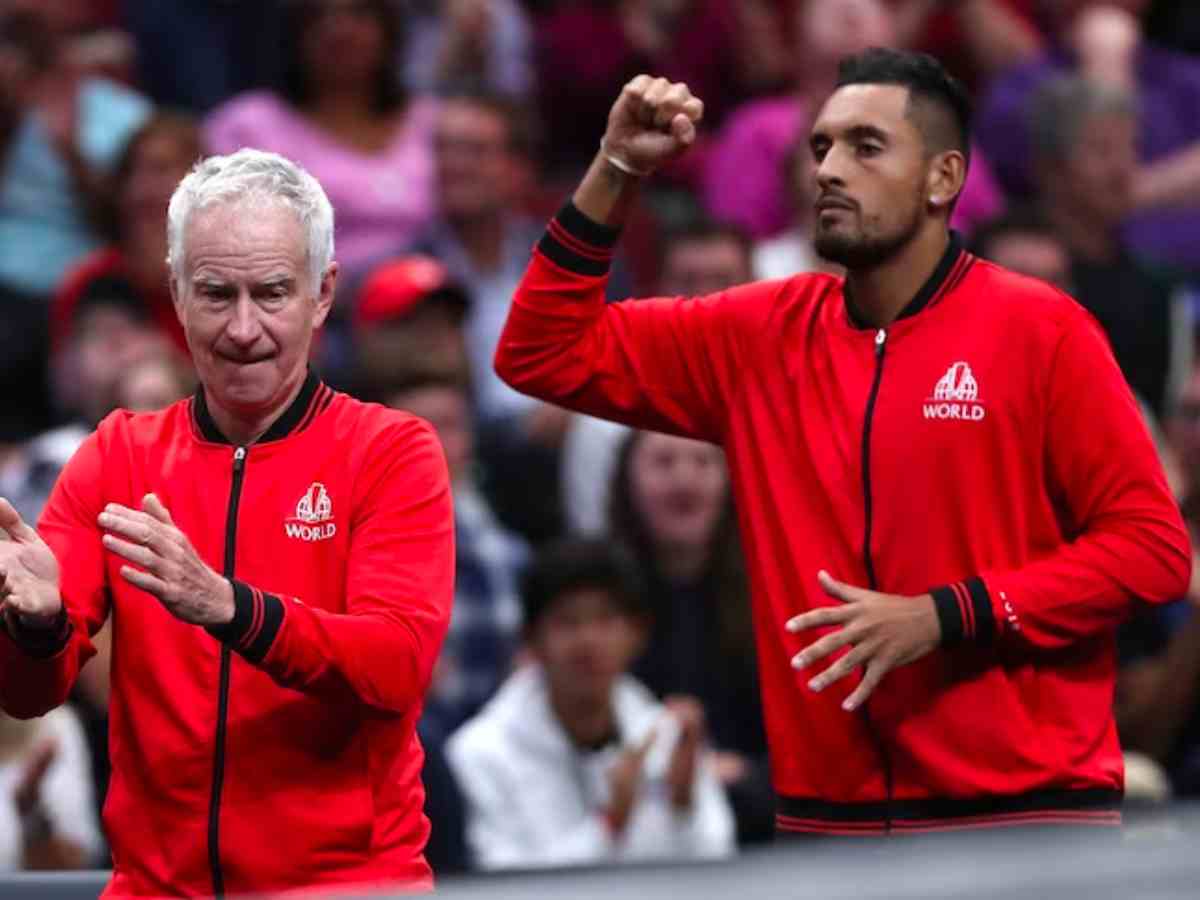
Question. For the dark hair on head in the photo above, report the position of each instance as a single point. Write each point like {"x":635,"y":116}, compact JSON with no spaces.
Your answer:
{"x":383,"y":388}
{"x":927,"y":82}
{"x":1016,"y":220}
{"x":521,"y":123}
{"x":573,"y":564}
{"x":724,"y":578}
{"x":299,"y":16}
{"x":181,"y":127}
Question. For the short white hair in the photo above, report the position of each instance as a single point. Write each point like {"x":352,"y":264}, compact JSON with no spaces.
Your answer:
{"x":252,"y":176}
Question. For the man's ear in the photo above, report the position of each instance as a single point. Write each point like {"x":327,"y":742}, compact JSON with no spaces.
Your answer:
{"x":946,"y":177}
{"x":325,"y":294}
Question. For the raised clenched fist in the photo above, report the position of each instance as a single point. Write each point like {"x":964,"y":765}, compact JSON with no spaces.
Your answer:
{"x":653,"y":121}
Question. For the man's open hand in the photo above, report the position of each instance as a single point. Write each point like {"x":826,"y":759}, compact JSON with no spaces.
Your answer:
{"x":165,"y":564}
{"x":28,"y":572}
{"x":883,"y":630}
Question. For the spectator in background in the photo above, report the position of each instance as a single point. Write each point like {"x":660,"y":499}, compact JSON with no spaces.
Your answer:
{"x":344,"y":116}
{"x":408,"y":323}
{"x":156,"y":158}
{"x":791,"y":251}
{"x":1183,"y":431}
{"x":194,"y":54}
{"x":975,"y":39}
{"x":698,"y":257}
{"x":468,"y":44}
{"x":47,"y":812}
{"x":1103,"y":42}
{"x":746,"y":177}
{"x":60,"y":133}
{"x":574,"y":762}
{"x":1084,"y":138}
{"x":588,"y":51}
{"x":486,"y":618}
{"x":672,"y":507}
{"x":484,"y":148}
{"x":1022,"y":240}
{"x":154,"y":382}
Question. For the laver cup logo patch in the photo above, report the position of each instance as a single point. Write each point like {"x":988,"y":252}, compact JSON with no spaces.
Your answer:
{"x":313,"y":518}
{"x":955,"y":396}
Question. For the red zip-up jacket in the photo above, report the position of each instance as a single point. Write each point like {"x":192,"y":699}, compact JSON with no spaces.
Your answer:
{"x":278,"y":751}
{"x":983,"y":447}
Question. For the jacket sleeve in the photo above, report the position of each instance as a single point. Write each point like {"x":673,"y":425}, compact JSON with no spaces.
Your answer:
{"x":399,"y":585}
{"x":1125,"y":539}
{"x":665,"y":364}
{"x":38,"y":668}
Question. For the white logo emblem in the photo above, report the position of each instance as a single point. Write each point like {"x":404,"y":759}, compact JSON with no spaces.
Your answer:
{"x":314,"y":513}
{"x":955,"y":396}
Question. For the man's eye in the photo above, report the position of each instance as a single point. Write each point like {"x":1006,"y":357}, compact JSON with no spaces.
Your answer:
{"x":869,"y":149}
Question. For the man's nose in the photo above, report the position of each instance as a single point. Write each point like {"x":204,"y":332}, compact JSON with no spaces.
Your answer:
{"x":244,"y":327}
{"x":830,"y":170}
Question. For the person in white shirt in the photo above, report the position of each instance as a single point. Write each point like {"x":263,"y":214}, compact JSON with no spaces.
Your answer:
{"x":573,"y":762}
{"x":47,"y":808}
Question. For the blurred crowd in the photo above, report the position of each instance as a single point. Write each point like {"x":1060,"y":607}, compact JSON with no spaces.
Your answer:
{"x":596,"y":698}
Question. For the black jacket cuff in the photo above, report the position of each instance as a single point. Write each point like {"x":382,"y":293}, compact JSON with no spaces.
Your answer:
{"x":41,"y":643}
{"x":964,"y":610}
{"x":577,"y":243}
{"x":257,"y":617}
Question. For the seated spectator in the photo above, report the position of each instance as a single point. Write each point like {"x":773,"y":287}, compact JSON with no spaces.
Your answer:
{"x":672,"y":507}
{"x":976,"y":40}
{"x":698,"y":257}
{"x":468,"y":44}
{"x":408,"y":322}
{"x":349,"y":123}
{"x":745,"y":179}
{"x":485,"y":623}
{"x":1104,"y":43}
{"x":60,"y":132}
{"x":47,"y":811}
{"x":574,"y":762}
{"x":1022,"y":240}
{"x":154,"y":161}
{"x":1084,"y":145}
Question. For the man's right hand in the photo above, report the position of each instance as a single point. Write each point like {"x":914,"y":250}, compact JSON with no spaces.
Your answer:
{"x":28,"y":572}
{"x":652,"y":122}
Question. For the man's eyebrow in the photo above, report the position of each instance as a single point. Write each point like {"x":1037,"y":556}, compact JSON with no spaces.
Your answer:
{"x":865,"y":132}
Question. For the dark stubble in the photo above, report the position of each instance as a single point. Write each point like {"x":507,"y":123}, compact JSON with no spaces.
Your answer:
{"x":864,"y":251}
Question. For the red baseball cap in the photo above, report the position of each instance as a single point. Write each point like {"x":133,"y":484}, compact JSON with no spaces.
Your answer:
{"x":396,"y":288}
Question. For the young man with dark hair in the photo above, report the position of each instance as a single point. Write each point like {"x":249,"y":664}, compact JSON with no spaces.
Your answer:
{"x":574,"y":762}
{"x":1022,"y":240}
{"x":946,"y":491}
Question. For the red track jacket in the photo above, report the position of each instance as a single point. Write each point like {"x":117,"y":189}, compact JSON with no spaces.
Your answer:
{"x":984,"y":446}
{"x":292,"y":760}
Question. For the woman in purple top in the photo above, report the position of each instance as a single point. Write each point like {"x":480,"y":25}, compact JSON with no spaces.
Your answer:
{"x":342,"y":114}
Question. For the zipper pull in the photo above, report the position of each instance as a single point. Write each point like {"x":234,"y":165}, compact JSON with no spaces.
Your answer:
{"x":239,"y":458}
{"x":880,"y":337}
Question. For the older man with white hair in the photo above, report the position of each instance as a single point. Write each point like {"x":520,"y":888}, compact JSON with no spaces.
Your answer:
{"x":277,"y":559}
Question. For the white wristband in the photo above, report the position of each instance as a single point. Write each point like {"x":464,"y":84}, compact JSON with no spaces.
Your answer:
{"x":620,"y":164}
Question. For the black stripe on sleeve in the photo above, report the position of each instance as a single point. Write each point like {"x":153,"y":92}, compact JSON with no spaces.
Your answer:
{"x":235,"y":629}
{"x":561,"y":255}
{"x":42,"y":643}
{"x":985,"y":620}
{"x":949,"y":615}
{"x":272,"y":620}
{"x":576,"y":224}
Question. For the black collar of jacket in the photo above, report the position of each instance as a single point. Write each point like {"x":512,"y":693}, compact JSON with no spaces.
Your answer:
{"x":288,"y":422}
{"x":928,"y":290}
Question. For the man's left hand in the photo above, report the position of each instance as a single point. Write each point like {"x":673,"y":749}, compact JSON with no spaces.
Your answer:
{"x":884,"y":631}
{"x":165,"y":563}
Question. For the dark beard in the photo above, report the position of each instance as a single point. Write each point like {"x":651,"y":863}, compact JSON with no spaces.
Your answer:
{"x":864,"y":253}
